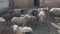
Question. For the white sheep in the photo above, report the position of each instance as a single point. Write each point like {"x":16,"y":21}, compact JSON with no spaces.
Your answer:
{"x":2,"y":19}
{"x":20,"y":20}
{"x":27,"y":29}
{"x":32,"y":21}
{"x":16,"y":12}
{"x":17,"y":29}
{"x":21,"y":30}
{"x":55,"y":12}
{"x":41,"y":15}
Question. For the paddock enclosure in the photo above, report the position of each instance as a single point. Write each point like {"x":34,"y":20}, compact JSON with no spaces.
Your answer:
{"x":32,"y":3}
{"x":37,"y":14}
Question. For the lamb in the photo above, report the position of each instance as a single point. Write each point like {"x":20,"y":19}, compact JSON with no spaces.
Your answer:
{"x":41,"y":15}
{"x":16,"y":29}
{"x":21,"y":30}
{"x":20,"y":20}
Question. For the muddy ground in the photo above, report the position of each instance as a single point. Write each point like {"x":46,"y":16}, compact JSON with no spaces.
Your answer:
{"x":51,"y":26}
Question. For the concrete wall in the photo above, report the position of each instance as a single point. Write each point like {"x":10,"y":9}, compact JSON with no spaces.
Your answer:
{"x":52,"y":3}
{"x":30,"y":3}
{"x":1,"y":1}
{"x":21,"y":3}
{"x":24,"y":3}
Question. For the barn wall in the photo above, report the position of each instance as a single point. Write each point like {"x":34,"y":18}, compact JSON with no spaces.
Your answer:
{"x":52,"y":3}
{"x":4,"y":3}
{"x":30,"y":3}
{"x":24,"y":3}
{"x":1,"y":1}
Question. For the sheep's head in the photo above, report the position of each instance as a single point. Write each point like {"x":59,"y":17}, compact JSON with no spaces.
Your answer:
{"x":13,"y":19}
{"x":33,"y":12}
{"x":27,"y":16}
{"x":27,"y":29}
{"x":15,"y":27}
{"x":41,"y":15}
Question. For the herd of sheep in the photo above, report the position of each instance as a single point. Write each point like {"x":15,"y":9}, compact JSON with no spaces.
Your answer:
{"x":24,"y":22}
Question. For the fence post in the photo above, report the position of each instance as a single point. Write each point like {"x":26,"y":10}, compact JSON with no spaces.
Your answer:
{"x":11,"y":4}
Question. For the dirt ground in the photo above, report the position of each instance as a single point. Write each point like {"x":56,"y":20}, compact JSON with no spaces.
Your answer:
{"x":54,"y":28}
{"x":51,"y":26}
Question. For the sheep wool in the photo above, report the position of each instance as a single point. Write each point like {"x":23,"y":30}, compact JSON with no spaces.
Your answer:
{"x":2,"y":19}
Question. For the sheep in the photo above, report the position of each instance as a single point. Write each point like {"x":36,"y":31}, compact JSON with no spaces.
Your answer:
{"x":12,"y":13}
{"x":24,"y":30}
{"x":2,"y":19}
{"x":17,"y":29}
{"x":33,"y":12}
{"x":32,"y":21}
{"x":27,"y":29}
{"x":20,"y":20}
{"x":21,"y":30}
{"x":55,"y":12}
{"x":41,"y":15}
{"x":7,"y":16}
{"x":16,"y":12}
